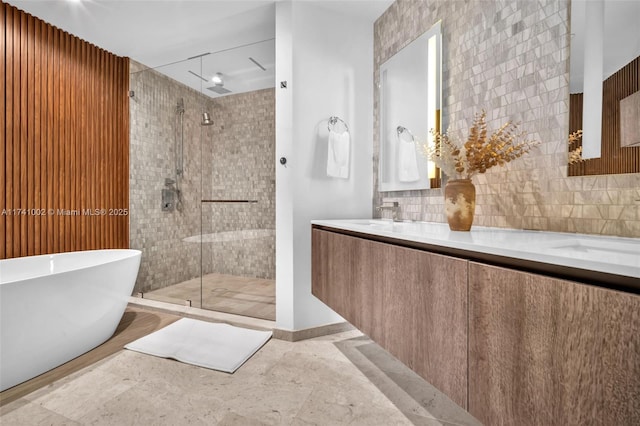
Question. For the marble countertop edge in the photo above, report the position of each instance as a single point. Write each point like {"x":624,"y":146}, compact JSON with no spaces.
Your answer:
{"x":607,"y":254}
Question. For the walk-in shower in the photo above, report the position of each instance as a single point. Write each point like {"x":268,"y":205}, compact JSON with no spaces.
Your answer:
{"x":216,"y":154}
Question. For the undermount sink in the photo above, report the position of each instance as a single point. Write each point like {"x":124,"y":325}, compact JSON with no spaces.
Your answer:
{"x":599,"y":251}
{"x":374,"y":222}
{"x":388,"y":223}
{"x":406,"y":229}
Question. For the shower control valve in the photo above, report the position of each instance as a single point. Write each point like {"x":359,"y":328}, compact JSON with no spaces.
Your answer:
{"x":283,"y":160}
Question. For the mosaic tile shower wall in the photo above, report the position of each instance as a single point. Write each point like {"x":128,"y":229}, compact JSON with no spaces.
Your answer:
{"x":239,"y":161}
{"x":170,"y":241}
{"x":510,"y":58}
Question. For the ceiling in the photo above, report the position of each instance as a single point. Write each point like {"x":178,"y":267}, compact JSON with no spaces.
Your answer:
{"x":164,"y":34}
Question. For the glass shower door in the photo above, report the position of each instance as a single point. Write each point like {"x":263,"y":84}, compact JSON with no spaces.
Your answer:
{"x":238,"y":209}
{"x":238,"y":258}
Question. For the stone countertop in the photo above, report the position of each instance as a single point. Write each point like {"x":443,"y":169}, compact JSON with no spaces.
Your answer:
{"x":617,"y":258}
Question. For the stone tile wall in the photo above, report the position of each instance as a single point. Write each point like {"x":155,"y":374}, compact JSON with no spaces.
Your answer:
{"x":239,"y":158}
{"x":511,"y":58}
{"x":209,"y":172}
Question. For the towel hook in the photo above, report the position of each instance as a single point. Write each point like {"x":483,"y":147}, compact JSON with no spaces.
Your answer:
{"x":333,"y":120}
{"x":401,"y":130}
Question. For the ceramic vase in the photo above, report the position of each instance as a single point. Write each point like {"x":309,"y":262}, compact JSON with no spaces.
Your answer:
{"x":459,"y":203}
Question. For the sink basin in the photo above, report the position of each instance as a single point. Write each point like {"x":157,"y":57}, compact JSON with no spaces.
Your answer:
{"x":389,"y":224}
{"x":406,"y":228}
{"x":597,"y":251}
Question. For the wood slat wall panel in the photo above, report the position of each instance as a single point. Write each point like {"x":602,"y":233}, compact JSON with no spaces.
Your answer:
{"x":614,"y":159}
{"x":65,"y":130}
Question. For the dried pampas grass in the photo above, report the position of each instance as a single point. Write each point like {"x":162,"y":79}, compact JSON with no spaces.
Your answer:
{"x":481,"y":151}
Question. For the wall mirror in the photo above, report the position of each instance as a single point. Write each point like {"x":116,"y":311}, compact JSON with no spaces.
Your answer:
{"x":604,"y":85}
{"x":410,"y":104}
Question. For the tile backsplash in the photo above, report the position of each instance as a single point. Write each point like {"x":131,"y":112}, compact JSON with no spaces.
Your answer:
{"x":510,"y":58}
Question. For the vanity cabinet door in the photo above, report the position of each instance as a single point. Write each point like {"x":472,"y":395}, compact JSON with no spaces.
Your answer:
{"x":545,"y":351}
{"x":411,"y":302}
{"x":340,"y":266}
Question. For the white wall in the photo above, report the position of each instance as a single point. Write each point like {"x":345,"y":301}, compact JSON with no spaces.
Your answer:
{"x":327,"y":61}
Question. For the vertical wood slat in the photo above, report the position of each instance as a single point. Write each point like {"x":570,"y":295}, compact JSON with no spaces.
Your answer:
{"x":83,"y":135}
{"x":24,"y":136}
{"x":124,"y":150}
{"x":8,"y":117}
{"x":614,"y":159}
{"x":65,"y":126}
{"x":16,"y":134}
{"x":51,"y":75}
{"x":93,"y":90}
{"x":63,"y":234}
{"x":91,"y":171}
{"x":43,"y":100}
{"x":58,"y":151}
{"x":106,"y":174}
{"x":99,"y":152}
{"x":3,"y":132}
{"x":37,"y":123}
{"x":71,"y":143}
{"x":8,"y":130}
{"x":30,"y":123}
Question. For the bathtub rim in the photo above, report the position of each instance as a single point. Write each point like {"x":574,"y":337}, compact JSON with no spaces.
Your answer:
{"x":133,"y":252}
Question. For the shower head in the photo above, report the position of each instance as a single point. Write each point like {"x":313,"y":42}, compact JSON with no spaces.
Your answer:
{"x":217,"y":79}
{"x":219,"y":89}
{"x":206,"y":120}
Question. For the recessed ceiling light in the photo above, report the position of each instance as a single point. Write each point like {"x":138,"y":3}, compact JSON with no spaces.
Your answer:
{"x":217,"y":79}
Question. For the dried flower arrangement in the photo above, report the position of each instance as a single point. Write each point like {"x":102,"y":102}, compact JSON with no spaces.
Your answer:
{"x":575,"y":153}
{"x":481,"y":151}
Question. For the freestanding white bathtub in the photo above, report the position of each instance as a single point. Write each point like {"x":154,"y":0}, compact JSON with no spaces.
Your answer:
{"x":56,"y":307}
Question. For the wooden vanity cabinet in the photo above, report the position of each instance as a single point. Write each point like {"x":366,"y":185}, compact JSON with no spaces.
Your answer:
{"x":546,"y":351}
{"x":512,"y":347}
{"x":411,"y":302}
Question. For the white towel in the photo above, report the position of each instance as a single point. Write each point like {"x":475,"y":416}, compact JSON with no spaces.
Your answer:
{"x":407,"y":162}
{"x":338,"y":155}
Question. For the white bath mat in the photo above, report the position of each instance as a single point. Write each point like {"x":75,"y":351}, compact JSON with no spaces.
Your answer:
{"x":211,"y":345}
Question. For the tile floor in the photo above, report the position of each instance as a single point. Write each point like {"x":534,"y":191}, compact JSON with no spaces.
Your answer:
{"x":253,"y":297}
{"x":332,"y":380}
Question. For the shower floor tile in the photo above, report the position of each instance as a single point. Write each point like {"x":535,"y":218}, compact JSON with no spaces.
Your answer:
{"x":252,"y":297}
